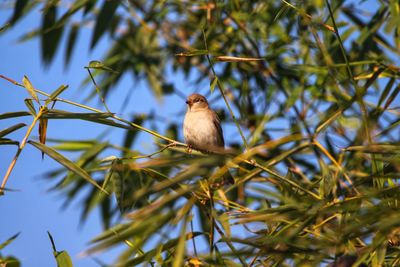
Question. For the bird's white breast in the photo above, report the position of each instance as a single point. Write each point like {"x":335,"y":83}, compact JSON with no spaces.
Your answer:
{"x":199,"y":129}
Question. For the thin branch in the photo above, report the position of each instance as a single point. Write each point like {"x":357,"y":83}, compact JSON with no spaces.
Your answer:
{"x":20,"y":148}
{"x":134,"y":125}
{"x":98,"y":90}
{"x":280,"y":177}
{"x":222,"y":91}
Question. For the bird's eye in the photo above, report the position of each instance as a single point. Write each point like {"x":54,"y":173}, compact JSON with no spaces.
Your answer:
{"x":196,"y":100}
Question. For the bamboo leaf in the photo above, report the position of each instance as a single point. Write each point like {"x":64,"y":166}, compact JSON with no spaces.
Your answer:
{"x":213,"y":84}
{"x":130,"y":136}
{"x":8,"y":241}
{"x":4,"y":27}
{"x":163,"y":247}
{"x":31,"y":90}
{"x":61,"y":114}
{"x":376,"y":148}
{"x":104,"y":20}
{"x":66,"y":163}
{"x":123,"y":185}
{"x":193,"y":53}
{"x":11,"y":129}
{"x":95,"y":64}
{"x":62,"y":257}
{"x":237,"y":59}
{"x":78,"y":145}
{"x":72,"y":37}
{"x":76,"y":6}
{"x":180,"y":249}
{"x":17,"y":114}
{"x":386,"y":91}
{"x":55,"y":94}
{"x":18,"y":10}
{"x":50,"y":38}
{"x":143,"y":228}
{"x":31,"y":107}
{"x":392,"y":96}
{"x":6,"y":141}
{"x":43,"y":130}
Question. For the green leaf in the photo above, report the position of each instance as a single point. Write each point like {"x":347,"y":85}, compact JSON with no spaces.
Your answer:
{"x":329,"y":117}
{"x":213,"y":84}
{"x":171,"y":244}
{"x":6,"y":141}
{"x":376,"y":148}
{"x":16,"y":114}
{"x":164,"y":201}
{"x":66,"y":163}
{"x":62,"y":257}
{"x":130,"y":136}
{"x":50,"y":37}
{"x":5,"y":27}
{"x":71,"y":41}
{"x":143,"y":228}
{"x":327,"y":182}
{"x":31,"y":107}
{"x":55,"y":94}
{"x":78,"y":145}
{"x":11,"y":129}
{"x":392,"y":96}
{"x":386,"y":91}
{"x":180,"y":249}
{"x":10,"y":261}
{"x":95,"y":64}
{"x":76,"y":6}
{"x":193,"y":53}
{"x":153,"y":77}
{"x":224,"y":221}
{"x":61,"y":114}
{"x":104,"y":20}
{"x":31,"y":90}
{"x":29,"y":35}
{"x":8,"y":241}
{"x":18,"y":10}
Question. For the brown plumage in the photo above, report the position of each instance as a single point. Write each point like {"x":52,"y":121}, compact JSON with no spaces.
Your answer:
{"x":202,"y":127}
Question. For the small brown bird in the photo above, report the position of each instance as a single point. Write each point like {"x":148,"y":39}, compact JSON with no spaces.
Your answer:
{"x":202,"y":127}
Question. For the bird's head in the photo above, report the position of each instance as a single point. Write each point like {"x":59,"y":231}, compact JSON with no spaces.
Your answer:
{"x":196,"y":102}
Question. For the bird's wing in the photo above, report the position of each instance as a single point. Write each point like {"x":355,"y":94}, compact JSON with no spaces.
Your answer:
{"x":217,"y":123}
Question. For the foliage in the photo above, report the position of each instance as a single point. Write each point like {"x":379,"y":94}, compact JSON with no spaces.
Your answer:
{"x":9,"y":261}
{"x":62,"y":257}
{"x":321,"y":185}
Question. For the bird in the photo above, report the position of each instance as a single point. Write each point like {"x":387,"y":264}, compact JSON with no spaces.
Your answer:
{"x":202,"y":128}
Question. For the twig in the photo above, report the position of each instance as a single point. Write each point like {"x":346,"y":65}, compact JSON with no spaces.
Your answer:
{"x":292,"y":183}
{"x":20,"y":147}
{"x":134,"y":125}
{"x":230,"y":245}
{"x":193,"y":241}
{"x":305,"y":15}
{"x":359,"y":94}
{"x":98,"y":90}
{"x":324,"y":151}
{"x":222,"y":91}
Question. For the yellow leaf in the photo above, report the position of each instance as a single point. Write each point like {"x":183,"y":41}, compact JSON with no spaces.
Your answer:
{"x":31,"y":90}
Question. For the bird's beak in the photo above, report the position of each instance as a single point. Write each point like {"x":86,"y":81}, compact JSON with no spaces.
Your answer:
{"x":188,"y":102}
